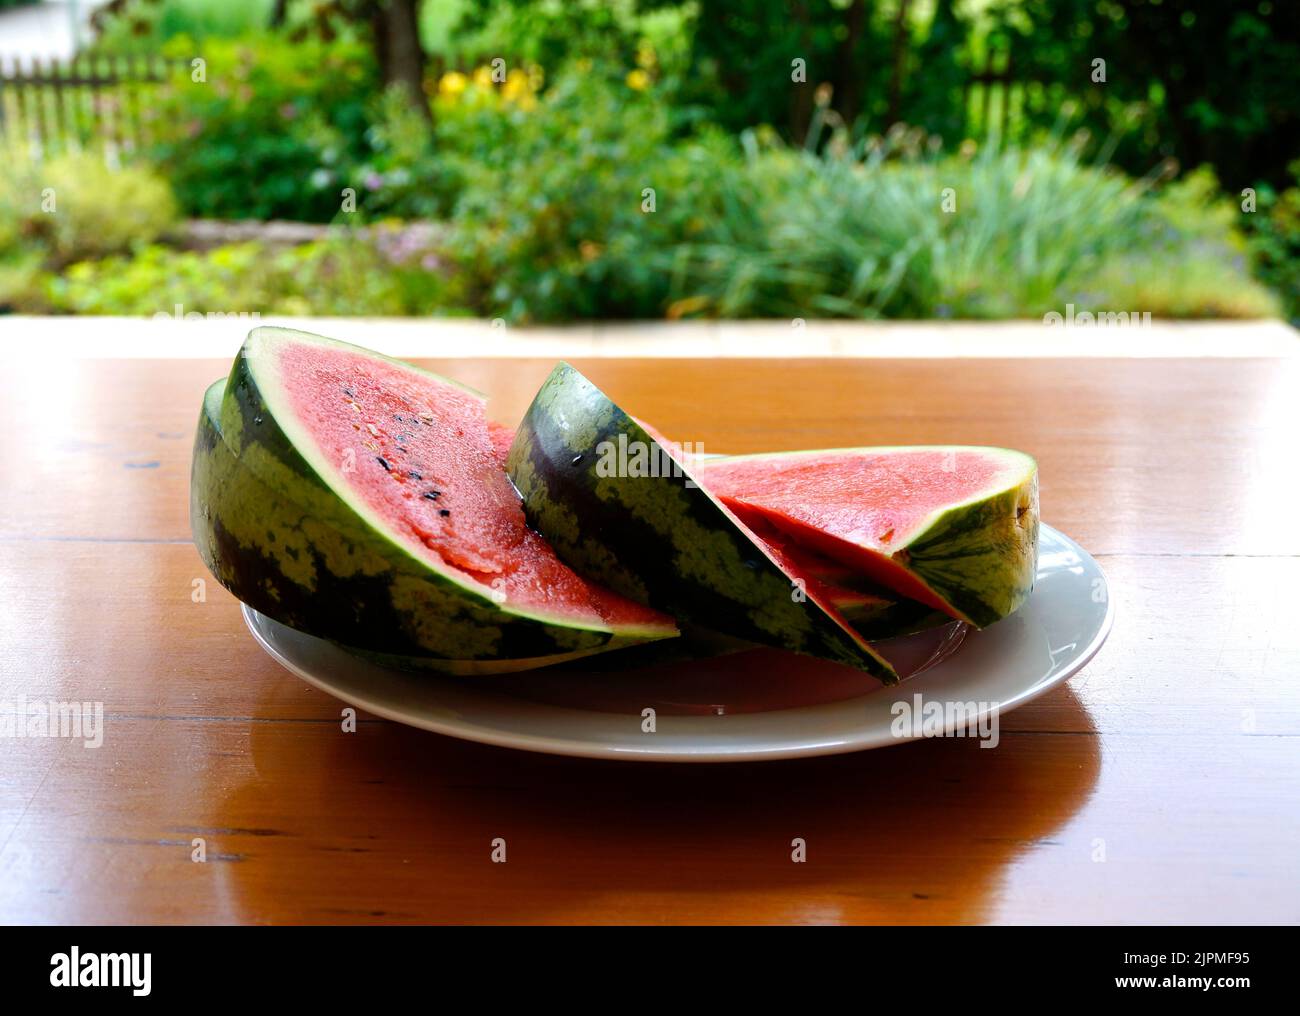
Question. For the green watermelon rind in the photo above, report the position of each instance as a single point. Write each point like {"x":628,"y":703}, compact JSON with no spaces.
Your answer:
{"x":979,"y":555}
{"x":219,"y":480}
{"x":660,"y":540}
{"x":889,"y":619}
{"x":282,"y":540}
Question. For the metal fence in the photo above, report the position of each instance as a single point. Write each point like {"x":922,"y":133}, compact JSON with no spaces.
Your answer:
{"x":103,"y":102}
{"x":89,"y":102}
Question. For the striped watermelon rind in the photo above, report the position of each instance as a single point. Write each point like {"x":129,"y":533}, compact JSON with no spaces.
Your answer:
{"x":660,"y":540}
{"x":876,"y":618}
{"x":288,"y":542}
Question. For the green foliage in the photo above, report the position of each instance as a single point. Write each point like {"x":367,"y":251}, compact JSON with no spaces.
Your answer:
{"x":74,"y":206}
{"x":742,"y":64}
{"x":554,"y":227}
{"x":1195,"y":81}
{"x":558,"y":231}
{"x":70,"y":208}
{"x":1028,"y":232}
{"x":552,"y":33}
{"x":275,"y":131}
{"x":141,"y":26}
{"x":1199,"y":82}
{"x":342,"y":275}
{"x":404,"y":174}
{"x":280,"y":130}
{"x":1274,"y":236}
{"x":544,"y":178}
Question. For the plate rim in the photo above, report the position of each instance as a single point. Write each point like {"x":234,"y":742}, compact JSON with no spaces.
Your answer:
{"x":565,"y":746}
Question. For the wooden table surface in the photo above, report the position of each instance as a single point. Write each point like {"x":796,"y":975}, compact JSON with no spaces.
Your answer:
{"x":1161,"y":784}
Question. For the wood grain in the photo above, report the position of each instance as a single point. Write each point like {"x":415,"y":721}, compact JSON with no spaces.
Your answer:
{"x":1163,"y":784}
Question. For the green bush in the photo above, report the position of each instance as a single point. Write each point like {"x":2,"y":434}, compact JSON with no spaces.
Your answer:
{"x":273,"y":130}
{"x":75,"y":206}
{"x":72,"y":208}
{"x":555,"y":229}
{"x":1274,"y":236}
{"x":591,"y":199}
{"x":558,"y":224}
{"x":343,"y":274}
{"x":1026,"y":233}
{"x":141,"y":26}
{"x":281,"y":130}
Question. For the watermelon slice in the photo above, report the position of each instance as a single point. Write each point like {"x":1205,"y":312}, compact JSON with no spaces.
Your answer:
{"x":256,"y":581}
{"x":951,"y":527}
{"x":363,"y":500}
{"x":873,"y":611}
{"x":655,"y":535}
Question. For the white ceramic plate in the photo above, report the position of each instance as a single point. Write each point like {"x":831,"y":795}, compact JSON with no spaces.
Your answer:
{"x":763,"y":704}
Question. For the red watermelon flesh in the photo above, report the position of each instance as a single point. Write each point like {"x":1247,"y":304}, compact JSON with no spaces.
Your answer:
{"x":502,"y":437}
{"x":867,"y":508}
{"x":424,"y":458}
{"x":806,"y":566}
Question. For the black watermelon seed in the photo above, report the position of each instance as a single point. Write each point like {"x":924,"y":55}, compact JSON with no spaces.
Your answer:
{"x":444,"y":512}
{"x":576,"y":460}
{"x":431,"y":495}
{"x":414,"y":475}
{"x":383,"y":462}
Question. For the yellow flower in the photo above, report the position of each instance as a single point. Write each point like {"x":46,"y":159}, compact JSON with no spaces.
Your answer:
{"x":516,"y":86}
{"x":483,"y":77}
{"x":645,"y":56}
{"x":452,"y":83}
{"x":690,"y":305}
{"x":638,"y":79}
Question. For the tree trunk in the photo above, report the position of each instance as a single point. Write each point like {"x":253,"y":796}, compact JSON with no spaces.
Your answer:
{"x":801,"y":95}
{"x":900,"y":56}
{"x":848,"y":91}
{"x":396,"y":28}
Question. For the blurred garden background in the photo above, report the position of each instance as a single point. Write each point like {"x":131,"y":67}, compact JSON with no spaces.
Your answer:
{"x":560,"y":160}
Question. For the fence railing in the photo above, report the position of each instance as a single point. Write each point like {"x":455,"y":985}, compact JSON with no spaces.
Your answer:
{"x":1003,"y":100}
{"x":89,"y":102}
{"x":103,"y":102}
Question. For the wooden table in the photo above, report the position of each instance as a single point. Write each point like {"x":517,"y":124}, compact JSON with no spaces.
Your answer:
{"x":1161,"y":784}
